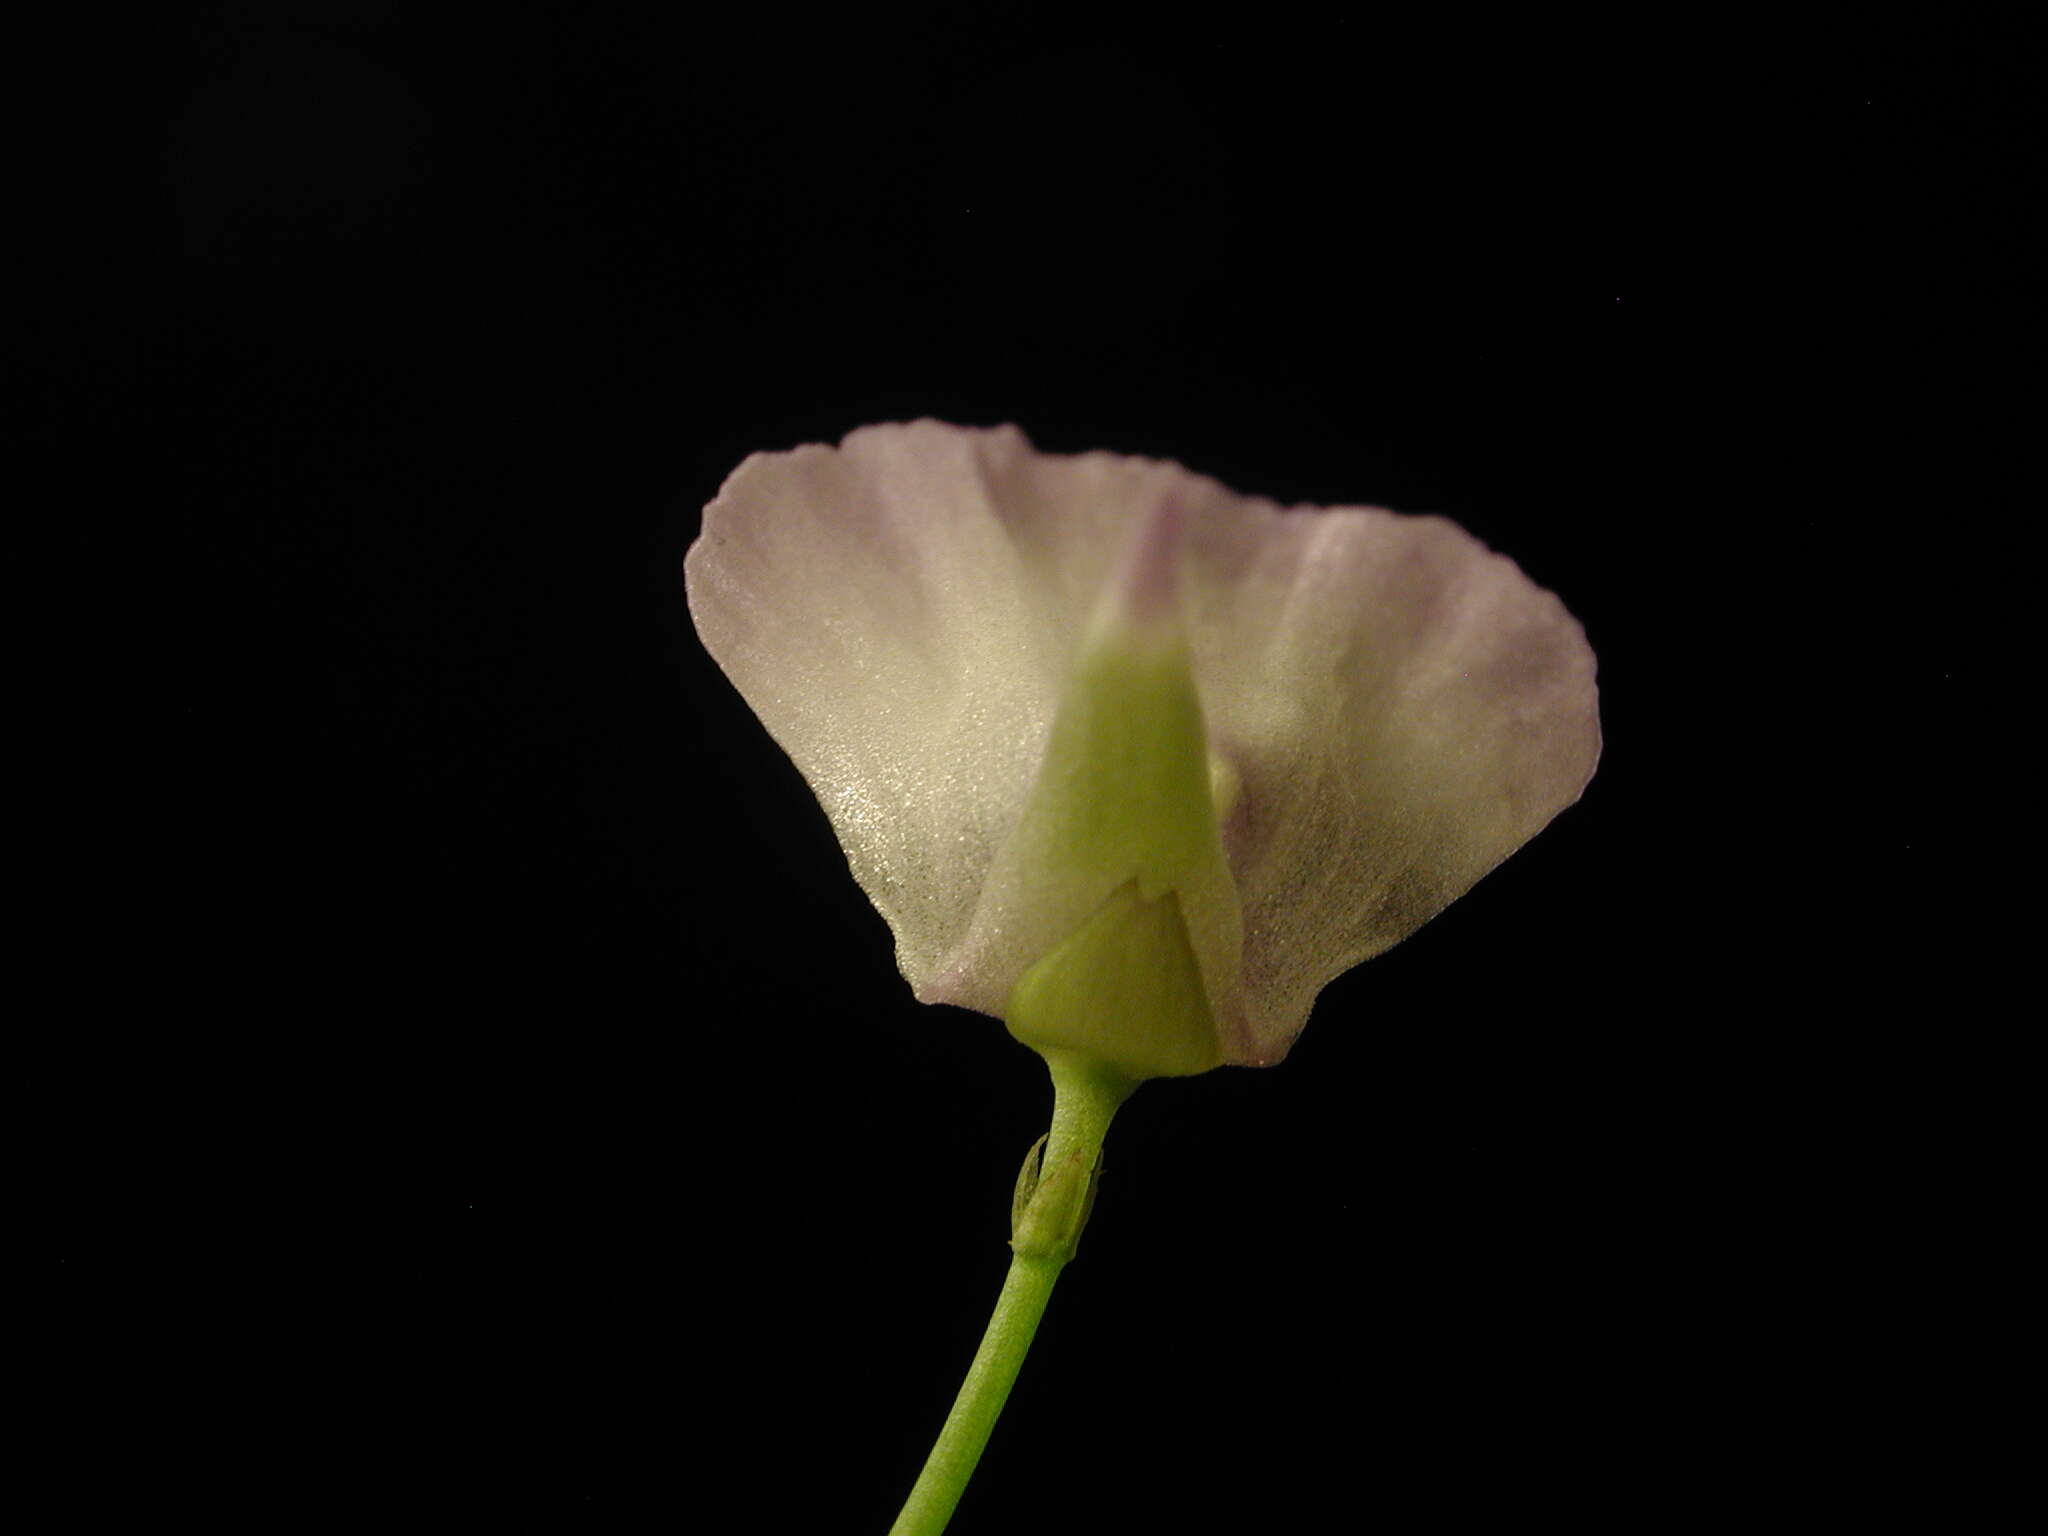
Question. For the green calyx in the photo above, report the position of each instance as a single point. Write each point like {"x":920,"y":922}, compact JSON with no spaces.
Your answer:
{"x":1125,"y":989}
{"x":1124,"y":794}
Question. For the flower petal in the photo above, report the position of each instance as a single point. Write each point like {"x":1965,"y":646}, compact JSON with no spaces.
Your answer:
{"x":1400,"y":708}
{"x":873,"y":606}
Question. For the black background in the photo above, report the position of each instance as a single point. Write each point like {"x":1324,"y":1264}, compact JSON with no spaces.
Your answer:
{"x":491,"y":1100}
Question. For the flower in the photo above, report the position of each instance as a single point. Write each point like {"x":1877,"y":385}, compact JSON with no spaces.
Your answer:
{"x":1129,"y":760}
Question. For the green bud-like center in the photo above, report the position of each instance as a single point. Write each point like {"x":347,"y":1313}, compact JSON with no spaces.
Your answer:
{"x":1125,"y":805}
{"x":1125,"y":990}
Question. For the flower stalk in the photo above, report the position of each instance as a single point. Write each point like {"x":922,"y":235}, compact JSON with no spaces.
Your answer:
{"x":1054,"y":1200}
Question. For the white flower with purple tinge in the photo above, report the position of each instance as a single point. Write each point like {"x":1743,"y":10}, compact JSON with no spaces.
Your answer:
{"x":999,"y":668}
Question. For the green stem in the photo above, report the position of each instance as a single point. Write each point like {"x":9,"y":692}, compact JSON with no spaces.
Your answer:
{"x":1085,"y":1097}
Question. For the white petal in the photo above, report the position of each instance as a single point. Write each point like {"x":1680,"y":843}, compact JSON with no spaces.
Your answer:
{"x":1402,"y":708}
{"x":899,"y":611}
